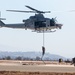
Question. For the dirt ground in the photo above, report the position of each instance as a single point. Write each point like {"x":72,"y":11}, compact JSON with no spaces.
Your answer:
{"x":32,"y":73}
{"x":35,"y":68}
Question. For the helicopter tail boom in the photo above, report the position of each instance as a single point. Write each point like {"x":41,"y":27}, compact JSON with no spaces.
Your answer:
{"x":2,"y":24}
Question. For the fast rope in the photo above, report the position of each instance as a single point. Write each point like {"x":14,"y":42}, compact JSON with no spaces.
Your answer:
{"x":43,"y":47}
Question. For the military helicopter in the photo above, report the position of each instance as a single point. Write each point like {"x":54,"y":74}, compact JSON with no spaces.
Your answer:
{"x":37,"y":23}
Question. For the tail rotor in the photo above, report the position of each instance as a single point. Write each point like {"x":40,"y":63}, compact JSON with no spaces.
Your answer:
{"x":1,"y":23}
{"x":1,"y":18}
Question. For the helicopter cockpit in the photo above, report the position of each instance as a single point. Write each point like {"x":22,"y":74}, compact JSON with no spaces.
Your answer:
{"x":52,"y":22}
{"x":45,"y":23}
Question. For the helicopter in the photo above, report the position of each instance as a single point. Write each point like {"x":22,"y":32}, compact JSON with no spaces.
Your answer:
{"x":37,"y":23}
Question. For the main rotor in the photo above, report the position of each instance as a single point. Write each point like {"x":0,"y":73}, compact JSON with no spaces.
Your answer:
{"x":34,"y":10}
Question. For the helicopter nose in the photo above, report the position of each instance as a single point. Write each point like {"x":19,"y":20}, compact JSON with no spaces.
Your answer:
{"x":59,"y":26}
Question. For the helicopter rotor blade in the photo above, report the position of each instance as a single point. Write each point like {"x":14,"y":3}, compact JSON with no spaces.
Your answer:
{"x":72,"y":11}
{"x":2,"y":19}
{"x":21,"y":11}
{"x":28,"y":11}
{"x":32,"y":8}
{"x":37,"y":11}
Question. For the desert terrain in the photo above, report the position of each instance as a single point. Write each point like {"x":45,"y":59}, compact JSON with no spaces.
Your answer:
{"x":15,"y":67}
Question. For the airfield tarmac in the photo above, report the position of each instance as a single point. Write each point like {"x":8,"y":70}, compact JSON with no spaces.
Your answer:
{"x":35,"y":66}
{"x":38,"y":68}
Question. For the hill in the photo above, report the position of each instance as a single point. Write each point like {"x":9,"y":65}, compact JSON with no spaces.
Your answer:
{"x":32,"y":55}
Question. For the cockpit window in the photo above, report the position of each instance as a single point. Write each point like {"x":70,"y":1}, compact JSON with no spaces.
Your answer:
{"x":52,"y":22}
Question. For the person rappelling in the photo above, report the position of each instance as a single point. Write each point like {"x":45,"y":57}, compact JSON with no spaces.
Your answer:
{"x":43,"y":51}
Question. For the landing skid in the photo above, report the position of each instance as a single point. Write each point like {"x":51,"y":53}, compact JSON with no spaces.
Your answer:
{"x":48,"y":31}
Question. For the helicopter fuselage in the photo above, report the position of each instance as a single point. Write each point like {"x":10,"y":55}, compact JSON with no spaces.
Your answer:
{"x":36,"y":23}
{"x":40,"y":23}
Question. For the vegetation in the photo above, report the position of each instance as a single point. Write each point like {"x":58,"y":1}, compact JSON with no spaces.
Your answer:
{"x":19,"y":58}
{"x":32,"y":73}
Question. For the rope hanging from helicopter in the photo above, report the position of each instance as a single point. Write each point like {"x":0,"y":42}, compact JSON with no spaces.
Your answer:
{"x":43,"y":47}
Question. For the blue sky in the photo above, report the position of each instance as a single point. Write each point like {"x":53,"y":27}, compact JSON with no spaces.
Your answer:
{"x":61,"y":42}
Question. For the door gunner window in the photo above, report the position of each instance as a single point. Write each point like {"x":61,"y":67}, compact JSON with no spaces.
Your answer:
{"x":40,"y":24}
